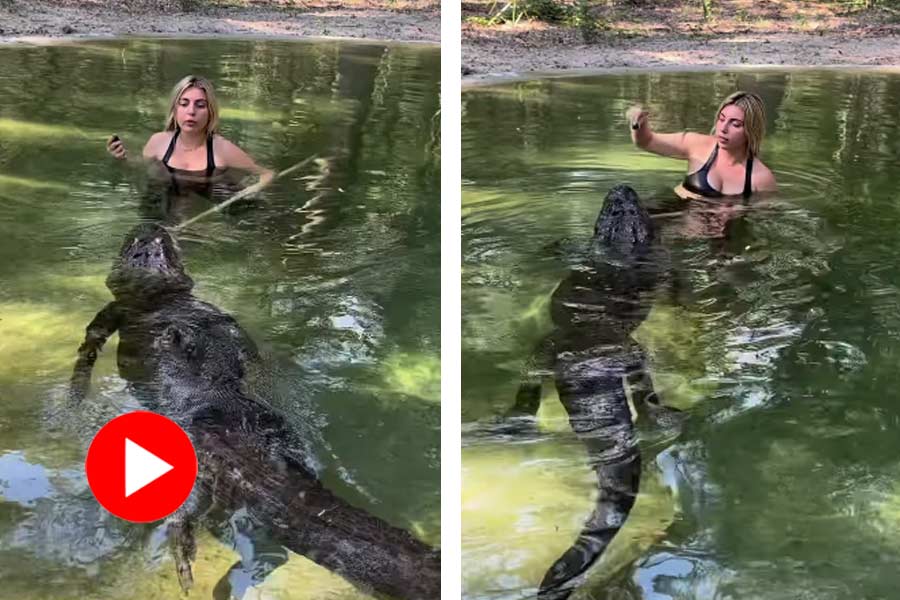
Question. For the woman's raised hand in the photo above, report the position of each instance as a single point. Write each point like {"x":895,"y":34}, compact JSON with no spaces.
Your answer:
{"x":636,"y":116}
{"x":116,"y":147}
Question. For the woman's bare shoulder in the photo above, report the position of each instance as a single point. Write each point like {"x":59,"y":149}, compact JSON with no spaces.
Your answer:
{"x":157,"y":144}
{"x":161,"y":137}
{"x":699,"y":145}
{"x":698,"y":139}
{"x":223,"y":144}
{"x":763,"y":178}
{"x":229,"y":154}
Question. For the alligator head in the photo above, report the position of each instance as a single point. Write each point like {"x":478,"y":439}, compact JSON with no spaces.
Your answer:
{"x":623,"y":229}
{"x":148,"y":265}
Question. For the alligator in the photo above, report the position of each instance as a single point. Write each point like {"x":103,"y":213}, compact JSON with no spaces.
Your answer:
{"x":188,"y":360}
{"x":596,"y":366}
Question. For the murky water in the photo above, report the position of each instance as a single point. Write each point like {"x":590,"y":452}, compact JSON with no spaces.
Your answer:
{"x":334,"y":272}
{"x":775,"y":331}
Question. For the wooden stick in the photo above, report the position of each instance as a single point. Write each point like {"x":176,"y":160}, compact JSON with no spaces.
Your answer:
{"x":247,"y":191}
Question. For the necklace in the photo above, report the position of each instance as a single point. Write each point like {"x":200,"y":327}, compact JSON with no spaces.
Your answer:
{"x":190,"y":148}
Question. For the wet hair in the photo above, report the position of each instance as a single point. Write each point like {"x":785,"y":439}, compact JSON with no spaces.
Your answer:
{"x":754,"y":118}
{"x":192,"y":81}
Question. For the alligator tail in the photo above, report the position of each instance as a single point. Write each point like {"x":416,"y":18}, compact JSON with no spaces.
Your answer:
{"x":362,"y":548}
{"x":308,"y":519}
{"x":599,"y":415}
{"x":618,"y":489}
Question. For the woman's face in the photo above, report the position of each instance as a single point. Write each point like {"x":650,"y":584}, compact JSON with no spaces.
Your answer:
{"x":192,"y":111}
{"x":730,"y":129}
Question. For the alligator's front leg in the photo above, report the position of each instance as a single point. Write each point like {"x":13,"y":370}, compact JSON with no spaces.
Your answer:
{"x":646,"y":403}
{"x":180,"y":531}
{"x":538,"y":367}
{"x":104,"y":324}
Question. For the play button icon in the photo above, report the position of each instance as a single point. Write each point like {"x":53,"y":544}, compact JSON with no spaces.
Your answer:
{"x":141,"y":466}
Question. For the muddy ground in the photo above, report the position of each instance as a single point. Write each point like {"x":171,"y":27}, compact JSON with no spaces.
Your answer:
{"x":382,"y":20}
{"x":674,"y":34}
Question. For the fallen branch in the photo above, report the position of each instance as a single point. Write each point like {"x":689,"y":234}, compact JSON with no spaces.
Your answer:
{"x":244,"y":193}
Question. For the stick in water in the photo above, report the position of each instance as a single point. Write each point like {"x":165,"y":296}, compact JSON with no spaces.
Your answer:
{"x":247,"y":191}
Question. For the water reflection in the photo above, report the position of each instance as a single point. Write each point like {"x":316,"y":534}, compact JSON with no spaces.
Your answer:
{"x":22,"y":482}
{"x":61,"y":523}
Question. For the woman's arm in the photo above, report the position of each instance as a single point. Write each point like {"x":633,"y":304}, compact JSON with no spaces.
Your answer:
{"x":116,"y":148}
{"x":233,"y":156}
{"x":156,"y":146}
{"x":673,"y":145}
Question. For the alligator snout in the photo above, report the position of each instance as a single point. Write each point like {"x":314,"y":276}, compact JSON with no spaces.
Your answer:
{"x":148,"y":264}
{"x":149,"y":246}
{"x":623,"y":224}
{"x":148,"y":254}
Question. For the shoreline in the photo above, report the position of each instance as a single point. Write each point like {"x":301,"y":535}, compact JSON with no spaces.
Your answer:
{"x":94,"y":37}
{"x":780,"y":51}
{"x":42,"y":23}
{"x":476,"y":83}
{"x":675,"y":35}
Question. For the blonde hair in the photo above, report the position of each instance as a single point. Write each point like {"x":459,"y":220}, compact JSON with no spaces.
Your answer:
{"x":754,"y":118}
{"x":212,"y":105}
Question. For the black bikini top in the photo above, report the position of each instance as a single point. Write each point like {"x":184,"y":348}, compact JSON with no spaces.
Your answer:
{"x":698,"y":181}
{"x":210,"y":158}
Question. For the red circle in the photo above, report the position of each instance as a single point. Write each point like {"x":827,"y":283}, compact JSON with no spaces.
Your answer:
{"x":157,"y":435}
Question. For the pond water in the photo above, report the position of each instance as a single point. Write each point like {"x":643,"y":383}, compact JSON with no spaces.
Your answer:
{"x":334,"y":271}
{"x":776,"y":331}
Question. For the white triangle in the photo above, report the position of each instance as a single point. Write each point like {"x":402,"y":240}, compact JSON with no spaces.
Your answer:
{"x":141,"y":467}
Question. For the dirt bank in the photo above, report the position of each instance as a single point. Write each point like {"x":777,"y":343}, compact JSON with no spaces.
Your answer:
{"x":672,"y":34}
{"x":383,"y":20}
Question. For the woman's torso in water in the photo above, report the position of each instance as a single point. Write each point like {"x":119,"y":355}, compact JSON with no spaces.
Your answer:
{"x":175,"y":193}
{"x":698,"y":182}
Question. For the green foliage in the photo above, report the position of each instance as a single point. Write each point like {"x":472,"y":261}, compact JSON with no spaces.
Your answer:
{"x":512,"y":12}
{"x":190,"y":5}
{"x":855,"y":5}
{"x":475,"y":20}
{"x":864,"y":3}
{"x":550,"y":11}
{"x":580,"y":16}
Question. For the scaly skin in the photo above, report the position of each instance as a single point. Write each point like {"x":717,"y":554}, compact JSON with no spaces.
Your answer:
{"x":591,"y":354}
{"x":187,"y":360}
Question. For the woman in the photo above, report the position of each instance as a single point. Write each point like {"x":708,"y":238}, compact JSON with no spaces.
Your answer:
{"x":724,"y":163}
{"x":190,"y":148}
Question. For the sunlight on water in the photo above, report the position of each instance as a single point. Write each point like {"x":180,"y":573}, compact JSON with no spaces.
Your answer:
{"x":523,"y":505}
{"x":38,"y":133}
{"x":413,"y":375}
{"x":520,"y":510}
{"x":39,"y":340}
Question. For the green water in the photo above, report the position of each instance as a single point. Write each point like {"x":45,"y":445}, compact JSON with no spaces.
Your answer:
{"x":334,"y":272}
{"x":780,"y":341}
